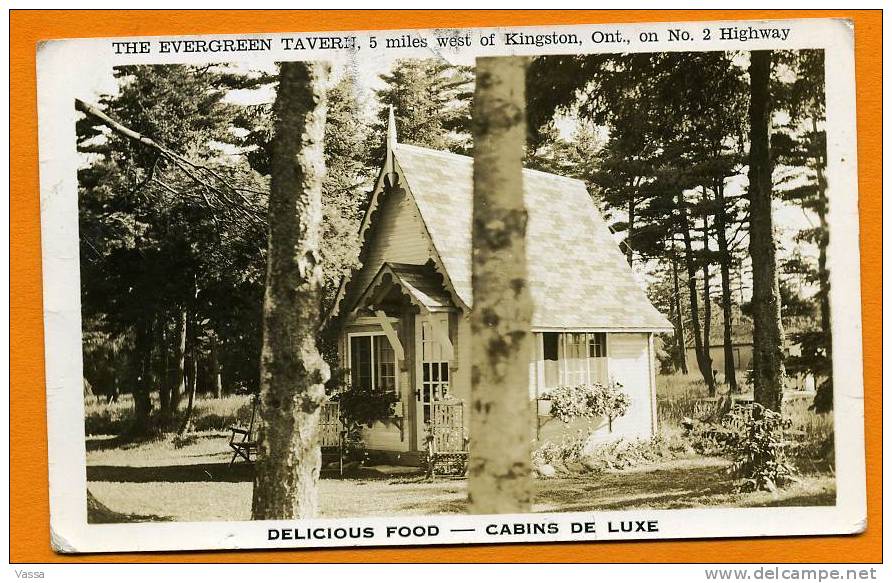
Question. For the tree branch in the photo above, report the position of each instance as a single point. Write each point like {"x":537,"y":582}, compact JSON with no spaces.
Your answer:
{"x":191,"y":169}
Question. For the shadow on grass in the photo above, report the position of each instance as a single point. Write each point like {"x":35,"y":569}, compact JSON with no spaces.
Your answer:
{"x":204,"y":472}
{"x":99,"y":513}
{"x":208,"y":472}
{"x":119,"y":442}
{"x":686,"y":487}
{"x":817,"y":499}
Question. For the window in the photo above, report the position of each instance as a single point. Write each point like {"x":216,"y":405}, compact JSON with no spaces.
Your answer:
{"x":575,"y":370}
{"x":372,"y":362}
{"x":573,"y":358}
{"x":597,"y":345}
{"x":550,"y":345}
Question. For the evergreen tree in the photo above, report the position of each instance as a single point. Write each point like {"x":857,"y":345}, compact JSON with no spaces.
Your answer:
{"x":768,"y":368}
{"x":431,"y":100}
{"x":165,"y":211}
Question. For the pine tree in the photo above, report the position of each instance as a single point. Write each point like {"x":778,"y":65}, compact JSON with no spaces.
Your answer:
{"x":149,"y":209}
{"x":431,"y":100}
{"x":768,"y":368}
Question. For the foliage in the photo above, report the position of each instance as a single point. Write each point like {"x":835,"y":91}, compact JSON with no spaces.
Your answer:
{"x":756,"y":440}
{"x":678,"y":397}
{"x":628,"y":453}
{"x":158,"y":238}
{"x":362,"y":406}
{"x":156,"y":242}
{"x":589,"y":401}
{"x":359,"y":407}
{"x":572,"y":455}
{"x":349,"y":172}
{"x":431,"y":100}
{"x":669,"y":172}
{"x":823,"y":402}
{"x":569,"y":450}
{"x":101,"y":418}
{"x":758,"y":445}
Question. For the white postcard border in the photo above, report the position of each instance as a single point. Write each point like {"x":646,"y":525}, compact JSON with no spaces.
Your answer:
{"x":60,"y":63}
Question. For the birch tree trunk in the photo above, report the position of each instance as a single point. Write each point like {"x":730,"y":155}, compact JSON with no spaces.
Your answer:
{"x":500,"y":478}
{"x":768,"y":366}
{"x":292,"y":372}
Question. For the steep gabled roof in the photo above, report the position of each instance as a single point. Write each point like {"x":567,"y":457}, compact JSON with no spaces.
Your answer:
{"x":578,"y":277}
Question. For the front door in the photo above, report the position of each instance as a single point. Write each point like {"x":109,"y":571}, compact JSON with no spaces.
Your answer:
{"x":432,"y":374}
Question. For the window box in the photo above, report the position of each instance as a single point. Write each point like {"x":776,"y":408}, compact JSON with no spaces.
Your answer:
{"x":543,"y":406}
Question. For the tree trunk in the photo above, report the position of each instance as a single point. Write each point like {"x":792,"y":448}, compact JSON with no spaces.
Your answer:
{"x":99,"y":513}
{"x":823,"y":240}
{"x":500,"y":479}
{"x":630,"y":252}
{"x":142,"y":398}
{"x":768,"y":367}
{"x":191,"y":366}
{"x":702,"y":358}
{"x":178,"y":386}
{"x":679,"y":314}
{"x":191,"y":361}
{"x":216,"y":375}
{"x":725,"y":268}
{"x":292,"y":372}
{"x":164,"y":374}
{"x":707,"y":298}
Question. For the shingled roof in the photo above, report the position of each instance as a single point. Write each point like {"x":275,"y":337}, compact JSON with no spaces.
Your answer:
{"x":577,"y":275}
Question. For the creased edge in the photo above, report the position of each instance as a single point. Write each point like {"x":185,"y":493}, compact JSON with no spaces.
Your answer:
{"x":60,"y":544}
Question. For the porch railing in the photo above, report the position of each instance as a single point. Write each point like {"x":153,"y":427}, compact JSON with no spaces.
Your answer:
{"x":447,"y":442}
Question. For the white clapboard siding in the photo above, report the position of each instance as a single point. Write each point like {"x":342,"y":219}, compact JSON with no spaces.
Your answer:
{"x":396,"y":235}
{"x":386,"y":436}
{"x":629,"y":364}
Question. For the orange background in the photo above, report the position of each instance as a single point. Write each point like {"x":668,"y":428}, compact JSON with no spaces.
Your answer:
{"x":29,"y":508}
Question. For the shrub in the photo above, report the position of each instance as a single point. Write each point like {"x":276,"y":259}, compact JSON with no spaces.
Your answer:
{"x":623,"y":454}
{"x":589,"y":401}
{"x":615,"y":455}
{"x":362,"y":407}
{"x":758,"y":445}
{"x":569,"y":450}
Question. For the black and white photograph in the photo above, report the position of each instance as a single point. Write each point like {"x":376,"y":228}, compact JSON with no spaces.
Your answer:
{"x":434,"y":283}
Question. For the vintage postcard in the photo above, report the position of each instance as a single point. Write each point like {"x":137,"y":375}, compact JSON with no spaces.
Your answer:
{"x":424,"y":287}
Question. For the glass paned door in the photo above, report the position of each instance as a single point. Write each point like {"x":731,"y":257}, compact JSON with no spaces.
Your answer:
{"x":433,"y":378}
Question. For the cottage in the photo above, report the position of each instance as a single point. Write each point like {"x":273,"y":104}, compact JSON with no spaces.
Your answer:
{"x":403,"y":317}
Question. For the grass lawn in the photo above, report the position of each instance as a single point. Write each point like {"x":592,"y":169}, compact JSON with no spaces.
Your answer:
{"x":155,"y":481}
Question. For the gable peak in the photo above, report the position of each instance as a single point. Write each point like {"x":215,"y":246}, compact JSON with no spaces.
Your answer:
{"x":391,"y":128}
